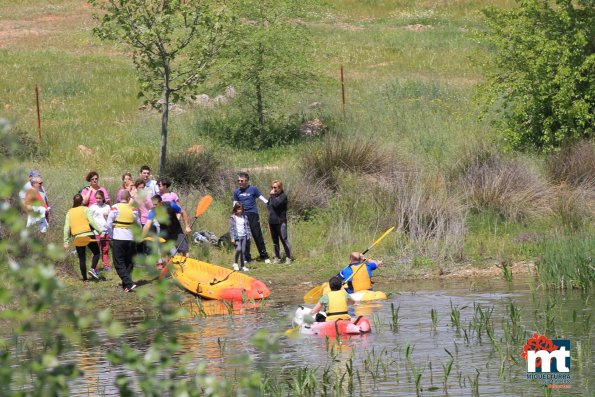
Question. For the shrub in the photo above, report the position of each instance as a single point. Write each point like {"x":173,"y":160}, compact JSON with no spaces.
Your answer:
{"x":505,"y":185}
{"x":324,"y":159}
{"x":22,"y":146}
{"x":193,"y":170}
{"x":426,"y":211}
{"x":574,"y":165}
{"x":575,"y":207}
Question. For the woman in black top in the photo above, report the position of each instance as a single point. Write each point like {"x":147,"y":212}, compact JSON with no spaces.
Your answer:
{"x":277,"y":207}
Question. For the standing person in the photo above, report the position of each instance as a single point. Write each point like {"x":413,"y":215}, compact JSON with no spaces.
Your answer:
{"x":172,"y":231}
{"x":89,"y":191}
{"x":164,"y":184}
{"x":29,"y":185}
{"x":142,"y":200}
{"x":35,"y":205}
{"x":150,"y":184}
{"x":277,"y":207}
{"x":127,"y":184}
{"x":120,"y":221}
{"x":358,"y":273}
{"x":79,"y":222}
{"x":239,"y":232}
{"x":247,"y":194}
{"x":100,"y":211}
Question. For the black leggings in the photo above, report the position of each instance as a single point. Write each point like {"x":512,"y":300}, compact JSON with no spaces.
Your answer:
{"x":81,"y":252}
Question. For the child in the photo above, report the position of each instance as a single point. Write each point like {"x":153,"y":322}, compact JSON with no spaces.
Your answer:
{"x":239,"y":232}
{"x":335,"y":303}
{"x":100,"y":211}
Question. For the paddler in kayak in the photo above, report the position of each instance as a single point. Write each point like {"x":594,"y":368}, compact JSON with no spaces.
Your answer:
{"x":335,"y":303}
{"x":358,"y":274}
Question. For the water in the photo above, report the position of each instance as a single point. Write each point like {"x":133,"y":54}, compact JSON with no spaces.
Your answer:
{"x":388,"y":361}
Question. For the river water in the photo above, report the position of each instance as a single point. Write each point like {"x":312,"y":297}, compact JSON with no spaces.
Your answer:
{"x":414,"y":341}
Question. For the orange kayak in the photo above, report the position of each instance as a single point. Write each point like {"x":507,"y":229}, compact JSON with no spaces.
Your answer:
{"x":216,"y":282}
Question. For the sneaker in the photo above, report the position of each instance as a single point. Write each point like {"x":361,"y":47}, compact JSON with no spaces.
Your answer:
{"x":107,"y":268}
{"x":276,"y":260}
{"x":93,"y":273}
{"x":267,"y":261}
{"x":287,"y":261}
{"x":236,"y":267}
{"x":133,"y":286}
{"x":245,"y":269}
{"x":159,"y":266}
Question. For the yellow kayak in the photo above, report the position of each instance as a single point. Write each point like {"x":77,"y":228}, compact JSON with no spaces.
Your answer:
{"x":361,"y":296}
{"x":216,"y":282}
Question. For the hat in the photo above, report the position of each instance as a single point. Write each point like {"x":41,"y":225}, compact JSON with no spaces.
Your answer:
{"x":34,"y":174}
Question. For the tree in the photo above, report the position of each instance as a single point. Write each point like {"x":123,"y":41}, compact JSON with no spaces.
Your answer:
{"x":271,"y":55}
{"x":174,"y":42}
{"x":545,"y":77}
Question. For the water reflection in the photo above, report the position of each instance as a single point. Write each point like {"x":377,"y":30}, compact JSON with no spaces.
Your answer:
{"x":407,"y":344}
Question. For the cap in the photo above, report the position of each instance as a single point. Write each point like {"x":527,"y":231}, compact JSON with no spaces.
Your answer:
{"x":34,"y":173}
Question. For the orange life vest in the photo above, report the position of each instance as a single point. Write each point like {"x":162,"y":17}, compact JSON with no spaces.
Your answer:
{"x":79,"y":223}
{"x":125,"y":217}
{"x":361,"y":279}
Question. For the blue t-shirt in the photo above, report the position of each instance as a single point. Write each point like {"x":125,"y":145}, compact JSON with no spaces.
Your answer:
{"x":247,"y":198}
{"x":177,"y":209}
{"x":348,"y":271}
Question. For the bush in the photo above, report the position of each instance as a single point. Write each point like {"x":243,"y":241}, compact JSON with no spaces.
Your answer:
{"x":323,"y":160}
{"x":505,"y":185}
{"x":574,"y":165}
{"x":193,"y":170}
{"x":575,"y":207}
{"x":22,"y":146}
{"x":426,"y":211}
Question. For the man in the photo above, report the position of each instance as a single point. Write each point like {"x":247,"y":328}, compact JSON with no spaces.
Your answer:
{"x":172,"y":231}
{"x":120,"y":221}
{"x":35,"y":205}
{"x":358,"y":274}
{"x":247,"y":194}
{"x":150,"y":184}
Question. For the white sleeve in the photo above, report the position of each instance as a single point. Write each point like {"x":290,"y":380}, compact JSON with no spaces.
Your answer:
{"x":264,"y":200}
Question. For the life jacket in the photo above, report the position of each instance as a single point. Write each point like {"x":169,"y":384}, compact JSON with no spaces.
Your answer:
{"x":360,"y":279}
{"x":79,"y":223}
{"x":125,"y":218}
{"x":337,"y":306}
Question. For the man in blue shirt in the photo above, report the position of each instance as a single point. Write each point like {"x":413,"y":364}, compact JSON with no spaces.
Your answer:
{"x":247,"y":194}
{"x":355,"y":275}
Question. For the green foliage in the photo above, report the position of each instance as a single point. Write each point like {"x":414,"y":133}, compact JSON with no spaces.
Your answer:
{"x":545,"y":78}
{"x":174,"y":44}
{"x":567,"y":262}
{"x":270,"y":57}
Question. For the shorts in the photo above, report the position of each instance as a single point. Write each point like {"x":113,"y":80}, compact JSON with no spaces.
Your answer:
{"x":181,"y":246}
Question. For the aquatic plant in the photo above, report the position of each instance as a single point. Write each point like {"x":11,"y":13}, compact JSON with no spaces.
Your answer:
{"x":434,"y":317}
{"x":394,"y":325}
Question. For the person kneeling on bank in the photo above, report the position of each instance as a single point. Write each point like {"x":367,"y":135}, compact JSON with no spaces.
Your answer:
{"x":335,"y":303}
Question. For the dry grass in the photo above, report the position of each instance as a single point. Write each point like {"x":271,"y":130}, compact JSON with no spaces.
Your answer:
{"x":505,"y":185}
{"x":575,"y":207}
{"x":325,"y":160}
{"x":574,"y":165}
{"x":426,"y":211}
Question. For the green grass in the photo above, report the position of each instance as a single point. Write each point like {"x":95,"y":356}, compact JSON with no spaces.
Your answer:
{"x":410,"y":88}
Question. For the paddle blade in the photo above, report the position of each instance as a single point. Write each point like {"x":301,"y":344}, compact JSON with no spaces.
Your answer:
{"x":203,"y":204}
{"x":82,"y":241}
{"x":314,"y":294}
{"x":292,"y":331}
{"x":163,"y":272}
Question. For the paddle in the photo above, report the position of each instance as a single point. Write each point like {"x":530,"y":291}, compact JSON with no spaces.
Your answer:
{"x":201,"y":207}
{"x":315,"y":293}
{"x":82,"y":241}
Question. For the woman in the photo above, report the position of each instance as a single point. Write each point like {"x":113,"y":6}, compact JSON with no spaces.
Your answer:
{"x":277,"y":207}
{"x":127,"y":184}
{"x":89,"y":191}
{"x":79,"y":223}
{"x":100,"y":211}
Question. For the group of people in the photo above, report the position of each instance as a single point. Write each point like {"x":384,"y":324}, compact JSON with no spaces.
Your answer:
{"x":96,"y":224}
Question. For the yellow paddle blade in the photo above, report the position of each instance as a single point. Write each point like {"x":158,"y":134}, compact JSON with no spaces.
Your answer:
{"x":203,"y":204}
{"x":149,"y":238}
{"x":82,"y":241}
{"x":292,"y":331}
{"x":314,"y":294}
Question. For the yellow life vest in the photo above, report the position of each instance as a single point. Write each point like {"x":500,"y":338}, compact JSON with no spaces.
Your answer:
{"x":337,"y":306}
{"x":125,"y":218}
{"x":361,"y":279}
{"x":79,"y":223}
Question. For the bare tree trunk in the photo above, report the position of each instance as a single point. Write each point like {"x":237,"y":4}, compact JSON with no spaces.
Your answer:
{"x":258,"y":83}
{"x":164,"y":120}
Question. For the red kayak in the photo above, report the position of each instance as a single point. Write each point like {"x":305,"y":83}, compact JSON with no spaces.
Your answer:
{"x":356,"y":326}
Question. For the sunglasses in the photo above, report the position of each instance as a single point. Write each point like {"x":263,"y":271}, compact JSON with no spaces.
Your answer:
{"x":94,"y":179}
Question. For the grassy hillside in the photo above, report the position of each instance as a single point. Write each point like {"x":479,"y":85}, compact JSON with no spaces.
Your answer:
{"x":410,"y":67}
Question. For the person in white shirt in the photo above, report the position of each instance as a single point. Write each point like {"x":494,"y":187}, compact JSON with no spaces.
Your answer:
{"x":100,"y":211}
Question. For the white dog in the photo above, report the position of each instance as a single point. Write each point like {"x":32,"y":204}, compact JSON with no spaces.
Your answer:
{"x":302,"y":316}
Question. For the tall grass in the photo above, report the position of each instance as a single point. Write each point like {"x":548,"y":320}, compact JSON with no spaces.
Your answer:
{"x":568,"y":262}
{"x":574,"y":165}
